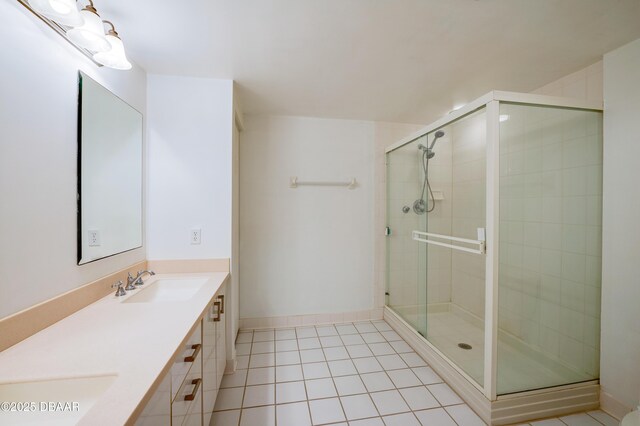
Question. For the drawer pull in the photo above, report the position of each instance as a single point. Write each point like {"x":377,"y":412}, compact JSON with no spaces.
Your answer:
{"x":196,"y":350}
{"x":192,"y":395}
{"x":221,"y":297}
{"x":217,"y":318}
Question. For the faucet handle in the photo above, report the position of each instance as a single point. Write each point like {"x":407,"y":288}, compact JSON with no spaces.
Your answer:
{"x":120,"y":291}
{"x":139,"y":281}
{"x":130,"y":280}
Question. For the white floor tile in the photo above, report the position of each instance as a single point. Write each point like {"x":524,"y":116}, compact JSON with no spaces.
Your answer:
{"x":401,"y":346}
{"x":290,"y":392}
{"x":413,"y":359}
{"x":548,"y":422}
{"x":331,"y":341}
{"x":464,"y":416}
{"x":359,"y":351}
{"x":376,"y":421}
{"x":373,"y":337}
{"x":263,"y":347}
{"x":226,"y":418}
{"x":304,"y":332}
{"x":287,"y":358}
{"x":286,"y":345}
{"x":389,"y":402}
{"x":320,"y":388}
{"x":346,"y":329}
{"x":367,"y":365}
{"x":349,"y":385}
{"x":358,"y":407}
{"x":381,"y":325}
{"x":419,"y":398}
{"x":426,"y":375}
{"x":243,"y":362}
{"x":245,"y":337}
{"x":435,"y":417}
{"x":581,"y":419}
{"x":309,"y":343}
{"x":391,"y":362}
{"x":404,"y":378}
{"x":343,"y":367}
{"x":444,"y":394}
{"x":381,"y":349}
{"x":261,"y":376}
{"x":239,"y":378}
{"x":263,"y":335}
{"x":375,"y":382}
{"x":326,"y":330}
{"x":263,"y":416}
{"x":326,"y":411}
{"x":286,"y":334}
{"x":312,"y":355}
{"x":293,"y":414}
{"x":405,"y":419}
{"x":389,"y":335}
{"x":352,"y":339}
{"x":259,"y":395}
{"x":365,"y":327}
{"x":603,"y":418}
{"x":243,"y":348}
{"x":288,"y":373}
{"x":333,"y":354}
{"x":228,"y":399}
{"x":316,"y":370}
{"x":262,"y":360}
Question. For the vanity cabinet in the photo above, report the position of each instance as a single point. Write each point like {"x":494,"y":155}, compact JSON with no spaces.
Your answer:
{"x":187,"y":394}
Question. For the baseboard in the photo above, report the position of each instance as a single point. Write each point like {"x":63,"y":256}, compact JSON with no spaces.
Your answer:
{"x":311,"y":319}
{"x":612,"y":406}
{"x":176,"y":266}
{"x":17,"y":327}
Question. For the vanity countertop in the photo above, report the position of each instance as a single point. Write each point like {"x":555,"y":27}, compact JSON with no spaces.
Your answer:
{"x":134,"y":341}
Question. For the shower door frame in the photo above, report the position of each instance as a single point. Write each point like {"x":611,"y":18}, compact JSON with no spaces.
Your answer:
{"x":491,"y":101}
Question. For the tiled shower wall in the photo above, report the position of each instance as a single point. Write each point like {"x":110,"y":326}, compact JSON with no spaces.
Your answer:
{"x":550,"y":231}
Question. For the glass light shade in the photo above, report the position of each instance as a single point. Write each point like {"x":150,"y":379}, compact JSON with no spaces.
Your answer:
{"x":114,"y":58}
{"x":64,"y":12}
{"x":91,"y":34}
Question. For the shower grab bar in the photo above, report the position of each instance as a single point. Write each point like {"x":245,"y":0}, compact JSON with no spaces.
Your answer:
{"x":294,"y":183}
{"x":480,"y":242}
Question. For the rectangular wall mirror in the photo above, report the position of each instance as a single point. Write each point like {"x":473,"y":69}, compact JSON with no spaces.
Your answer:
{"x":109,"y":173}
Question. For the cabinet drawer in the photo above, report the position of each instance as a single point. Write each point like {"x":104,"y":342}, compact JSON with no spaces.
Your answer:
{"x":186,"y":359}
{"x":186,"y":408}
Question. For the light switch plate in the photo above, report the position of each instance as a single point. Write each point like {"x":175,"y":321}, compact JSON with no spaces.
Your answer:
{"x":93,"y":237}
{"x":195,"y":236}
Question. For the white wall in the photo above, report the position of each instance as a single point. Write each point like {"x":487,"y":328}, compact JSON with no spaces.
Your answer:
{"x":620,"y":368}
{"x":38,"y":153}
{"x":190,"y":161}
{"x":307,"y":250}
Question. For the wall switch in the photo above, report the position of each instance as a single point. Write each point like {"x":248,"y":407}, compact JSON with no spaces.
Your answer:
{"x":194,"y":236}
{"x":94,"y":237}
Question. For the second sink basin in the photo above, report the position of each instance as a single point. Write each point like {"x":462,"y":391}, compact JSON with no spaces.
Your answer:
{"x":168,"y":290}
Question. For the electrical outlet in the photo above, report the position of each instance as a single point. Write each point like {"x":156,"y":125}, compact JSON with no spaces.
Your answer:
{"x":94,"y":237}
{"x":195,"y":235}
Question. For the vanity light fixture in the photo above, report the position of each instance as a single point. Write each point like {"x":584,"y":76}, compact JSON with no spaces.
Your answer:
{"x":84,"y":29}
{"x":62,"y":11}
{"x":90,"y":35}
{"x":115,"y":57}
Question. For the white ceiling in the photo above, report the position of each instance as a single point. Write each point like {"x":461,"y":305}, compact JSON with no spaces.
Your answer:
{"x":391,"y":60}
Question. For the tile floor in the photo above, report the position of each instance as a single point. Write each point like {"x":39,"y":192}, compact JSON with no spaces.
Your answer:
{"x":360,"y":374}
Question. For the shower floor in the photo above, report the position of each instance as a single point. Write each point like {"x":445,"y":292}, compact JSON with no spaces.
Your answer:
{"x":519,"y":369}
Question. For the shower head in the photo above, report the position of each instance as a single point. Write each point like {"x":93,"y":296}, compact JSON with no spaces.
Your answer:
{"x":437,"y":136}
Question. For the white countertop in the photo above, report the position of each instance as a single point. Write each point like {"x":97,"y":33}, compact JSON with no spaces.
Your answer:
{"x":134,"y":341}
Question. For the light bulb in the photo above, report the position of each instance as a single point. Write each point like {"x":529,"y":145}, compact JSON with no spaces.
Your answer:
{"x":63,"y":12}
{"x":116,"y":57}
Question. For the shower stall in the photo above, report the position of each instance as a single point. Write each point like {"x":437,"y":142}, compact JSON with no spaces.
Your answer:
{"x":494,"y":252}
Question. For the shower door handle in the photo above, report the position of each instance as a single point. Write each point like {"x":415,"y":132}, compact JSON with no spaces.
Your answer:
{"x":423,"y":237}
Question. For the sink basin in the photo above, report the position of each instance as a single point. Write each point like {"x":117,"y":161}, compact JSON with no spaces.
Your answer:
{"x":74,"y":397}
{"x":168,"y":290}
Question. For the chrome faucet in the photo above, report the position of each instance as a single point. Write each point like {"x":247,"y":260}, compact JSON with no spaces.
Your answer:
{"x":132,"y":281}
{"x":120,"y":291}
